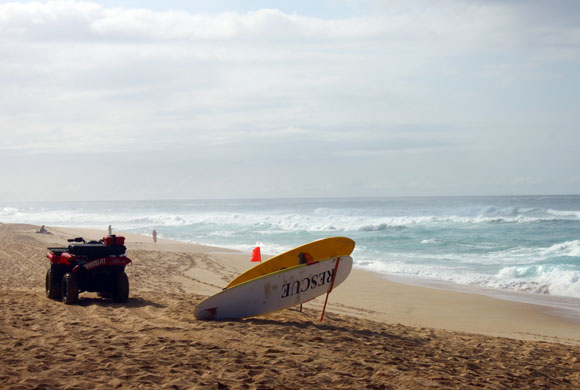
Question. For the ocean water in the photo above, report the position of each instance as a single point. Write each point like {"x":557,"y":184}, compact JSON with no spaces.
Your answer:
{"x":528,"y":244}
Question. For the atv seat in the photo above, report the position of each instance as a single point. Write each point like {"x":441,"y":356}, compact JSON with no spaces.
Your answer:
{"x":58,"y":251}
{"x":96,"y":250}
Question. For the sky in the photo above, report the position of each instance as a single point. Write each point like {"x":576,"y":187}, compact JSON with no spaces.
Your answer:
{"x":122,"y":100}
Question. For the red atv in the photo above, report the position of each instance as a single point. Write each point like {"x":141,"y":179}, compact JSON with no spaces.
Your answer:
{"x":96,"y":266}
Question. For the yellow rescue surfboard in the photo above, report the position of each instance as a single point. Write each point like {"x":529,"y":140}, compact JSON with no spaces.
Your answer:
{"x":276,"y":291}
{"x":315,"y":251}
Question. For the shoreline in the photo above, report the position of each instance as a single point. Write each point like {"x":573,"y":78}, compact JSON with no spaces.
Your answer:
{"x":567,"y":308}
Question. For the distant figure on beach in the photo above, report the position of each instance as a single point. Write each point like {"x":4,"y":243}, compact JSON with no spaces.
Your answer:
{"x":43,"y":230}
{"x":110,"y":230}
{"x":154,"y":235}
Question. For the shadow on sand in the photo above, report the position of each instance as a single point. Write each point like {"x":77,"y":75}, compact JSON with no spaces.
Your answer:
{"x":135,"y":302}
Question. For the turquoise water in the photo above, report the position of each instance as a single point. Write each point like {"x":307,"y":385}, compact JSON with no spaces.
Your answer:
{"x":518,"y":243}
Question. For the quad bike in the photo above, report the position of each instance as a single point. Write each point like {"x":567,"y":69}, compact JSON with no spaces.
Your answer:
{"x":96,"y":266}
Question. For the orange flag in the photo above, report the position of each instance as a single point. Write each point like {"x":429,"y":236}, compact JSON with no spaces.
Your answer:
{"x":256,"y":256}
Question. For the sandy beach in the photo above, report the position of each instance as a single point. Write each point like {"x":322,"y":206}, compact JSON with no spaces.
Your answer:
{"x":376,"y":334}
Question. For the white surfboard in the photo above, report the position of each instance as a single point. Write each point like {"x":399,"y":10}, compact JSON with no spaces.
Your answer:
{"x":275,"y":291}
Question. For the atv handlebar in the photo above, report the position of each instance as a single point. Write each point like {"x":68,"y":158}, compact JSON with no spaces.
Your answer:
{"x":78,"y":239}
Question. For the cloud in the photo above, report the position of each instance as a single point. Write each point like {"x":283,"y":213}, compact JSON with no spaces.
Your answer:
{"x":444,"y":79}
{"x":69,"y":20}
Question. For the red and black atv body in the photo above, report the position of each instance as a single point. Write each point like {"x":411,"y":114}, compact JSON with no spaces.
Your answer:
{"x":95,"y":266}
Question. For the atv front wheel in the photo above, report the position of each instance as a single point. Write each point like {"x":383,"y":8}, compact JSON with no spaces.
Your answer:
{"x":53,"y":284}
{"x":121,"y":292}
{"x":70,"y":289}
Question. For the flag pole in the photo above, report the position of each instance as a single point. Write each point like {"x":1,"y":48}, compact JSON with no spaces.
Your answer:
{"x":331,"y":286}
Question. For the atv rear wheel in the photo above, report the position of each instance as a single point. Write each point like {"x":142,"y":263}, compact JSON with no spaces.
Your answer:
{"x":70,"y":289}
{"x":53,"y":284}
{"x":121,"y":292}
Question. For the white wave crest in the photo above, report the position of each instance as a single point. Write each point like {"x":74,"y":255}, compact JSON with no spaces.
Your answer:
{"x":542,"y":279}
{"x":564,"y":213}
{"x":6,"y":211}
{"x":374,"y":228}
{"x":552,"y":280}
{"x":568,"y":248}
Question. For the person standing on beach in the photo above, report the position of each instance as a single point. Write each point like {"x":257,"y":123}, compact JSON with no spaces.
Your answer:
{"x":154,"y":235}
{"x":110,"y":230}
